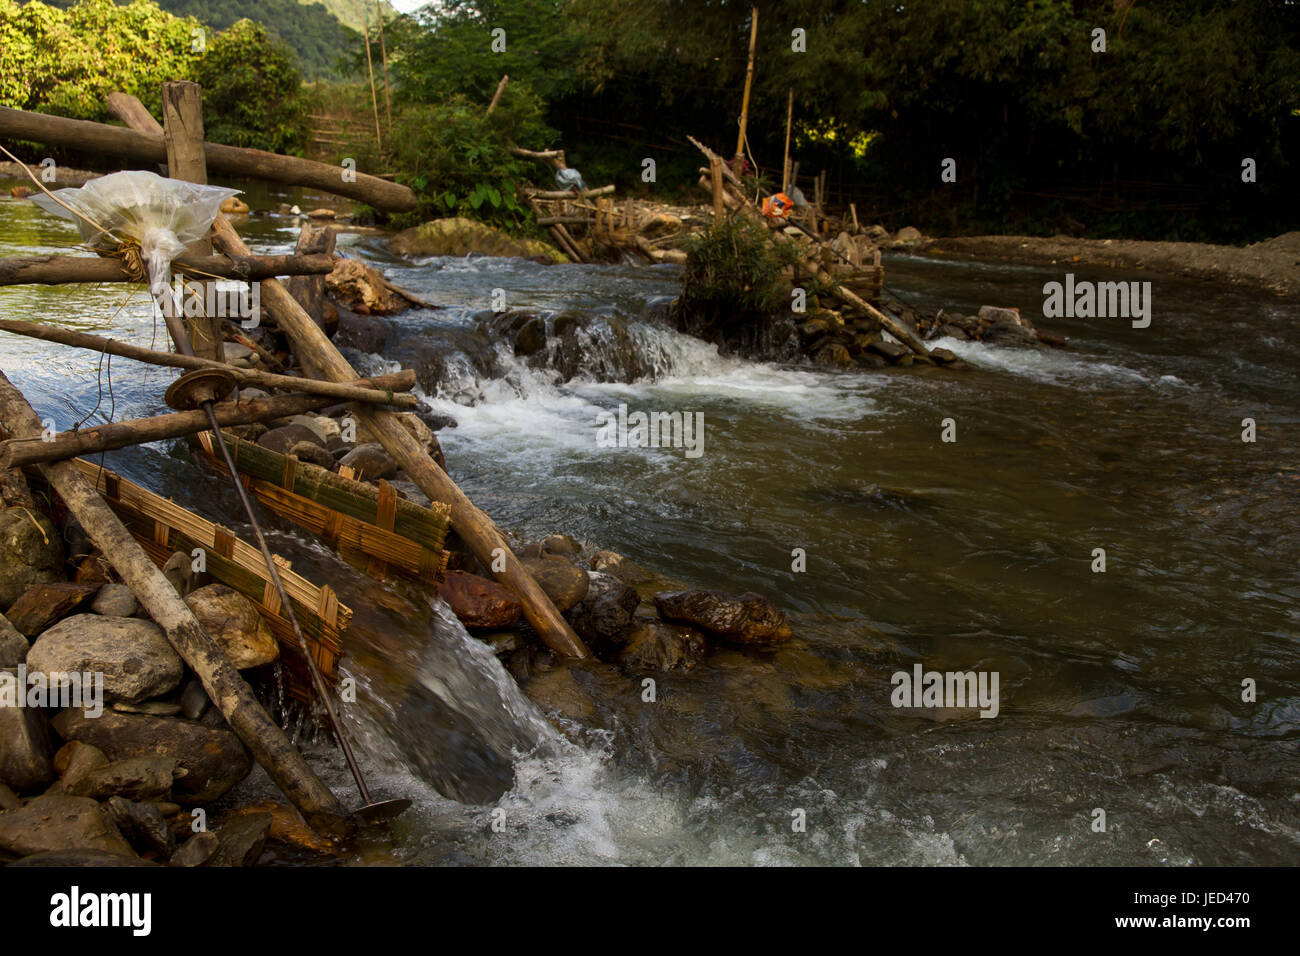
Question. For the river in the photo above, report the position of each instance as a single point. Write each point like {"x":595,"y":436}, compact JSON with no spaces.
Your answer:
{"x":1120,"y":691}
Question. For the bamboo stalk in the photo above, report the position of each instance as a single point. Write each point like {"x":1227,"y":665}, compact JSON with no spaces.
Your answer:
{"x":224,"y":685}
{"x":20,"y":452}
{"x":383,"y":51}
{"x":58,"y":270}
{"x":785,"y":160}
{"x":370,"y":65}
{"x":739,"y":161}
{"x":378,"y":390}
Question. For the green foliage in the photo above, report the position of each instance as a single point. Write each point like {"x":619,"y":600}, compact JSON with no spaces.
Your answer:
{"x":68,"y":61}
{"x":250,"y":90}
{"x":733,"y":277}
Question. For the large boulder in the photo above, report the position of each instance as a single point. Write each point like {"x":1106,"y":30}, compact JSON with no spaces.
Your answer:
{"x":31,"y":551}
{"x":235,"y":624}
{"x":564,"y":583}
{"x":26,"y":762}
{"x":58,"y":822}
{"x":605,"y":613}
{"x":462,"y":237}
{"x":478,"y":602}
{"x":747,"y":619}
{"x":213,"y":758}
{"x":133,"y":655}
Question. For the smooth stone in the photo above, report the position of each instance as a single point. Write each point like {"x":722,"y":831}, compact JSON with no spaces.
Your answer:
{"x":564,"y":582}
{"x":59,"y":822}
{"x":133,"y":655}
{"x":370,"y":462}
{"x":26,"y":754}
{"x":745,"y":619}
{"x":196,"y":851}
{"x":233,"y":622}
{"x":115,"y":600}
{"x":284,"y":437}
{"x":240,"y":841}
{"x":142,"y":825}
{"x":606,"y":610}
{"x":13,"y":646}
{"x":478,"y":602}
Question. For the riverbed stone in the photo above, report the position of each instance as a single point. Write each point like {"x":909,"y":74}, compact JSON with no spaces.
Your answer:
{"x":284,"y":437}
{"x":478,"y":602}
{"x":142,"y":825}
{"x":59,"y":822}
{"x":234,"y":623}
{"x":312,"y":454}
{"x":657,"y":646}
{"x":564,"y":582}
{"x":13,"y":646}
{"x":115,"y":600}
{"x":31,"y":552}
{"x":197,"y":850}
{"x":213,"y":757}
{"x":44,"y":603}
{"x":531,"y":338}
{"x":26,"y":756}
{"x":745,"y":619}
{"x":240,"y":840}
{"x":8,"y":799}
{"x":605,"y":613}
{"x":133,"y":655}
{"x":456,"y":236}
{"x":370,"y":462}
{"x":136,"y":778}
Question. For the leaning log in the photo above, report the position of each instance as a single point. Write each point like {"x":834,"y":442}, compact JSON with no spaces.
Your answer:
{"x":318,"y":354}
{"x":224,"y":685}
{"x":86,"y":136}
{"x":19,"y":452}
{"x":378,"y":390}
{"x":57,"y":270}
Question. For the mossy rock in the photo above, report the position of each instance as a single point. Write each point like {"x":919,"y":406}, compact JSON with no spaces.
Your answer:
{"x":461,"y":237}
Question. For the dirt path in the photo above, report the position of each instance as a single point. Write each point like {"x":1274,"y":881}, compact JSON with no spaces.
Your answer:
{"x":1273,"y":263}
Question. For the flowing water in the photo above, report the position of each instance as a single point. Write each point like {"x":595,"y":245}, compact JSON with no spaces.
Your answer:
{"x":1119,"y":690}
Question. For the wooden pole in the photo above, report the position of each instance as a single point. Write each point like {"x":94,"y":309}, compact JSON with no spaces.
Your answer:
{"x":789,"y":124}
{"x":715,"y":173}
{"x":317,"y":353}
{"x":59,"y":270}
{"x":496,"y":97}
{"x":739,"y":162}
{"x":20,"y":452}
{"x":224,"y":685}
{"x":374,"y":100}
{"x":182,"y":103}
{"x":379,"y":390}
{"x":383,"y":52}
{"x":101,"y":138}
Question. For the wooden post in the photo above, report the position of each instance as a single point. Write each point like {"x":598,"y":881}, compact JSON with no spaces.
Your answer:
{"x":715,"y":173}
{"x":318,"y":355}
{"x":789,"y":124}
{"x":496,"y":97}
{"x":310,"y":290}
{"x":182,"y":103}
{"x":224,"y":685}
{"x":370,"y":65}
{"x":383,"y":51}
{"x":739,"y":162}
{"x":853,"y":209}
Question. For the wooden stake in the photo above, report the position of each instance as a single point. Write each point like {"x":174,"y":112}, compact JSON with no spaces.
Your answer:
{"x":715,"y":173}
{"x":739,"y":161}
{"x":383,"y":51}
{"x":496,"y":97}
{"x":789,"y":124}
{"x":224,"y":685}
{"x":370,"y":65}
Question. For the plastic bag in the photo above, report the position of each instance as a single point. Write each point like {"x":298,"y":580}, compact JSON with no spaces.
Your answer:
{"x":570,"y":179}
{"x":163,"y":215}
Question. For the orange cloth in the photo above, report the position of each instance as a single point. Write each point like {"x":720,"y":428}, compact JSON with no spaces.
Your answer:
{"x":778,"y":206}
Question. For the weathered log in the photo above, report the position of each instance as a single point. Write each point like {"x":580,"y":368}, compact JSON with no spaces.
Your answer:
{"x":381,"y":389}
{"x":231,"y":160}
{"x":19,"y":452}
{"x":569,"y":194}
{"x":378,"y":390}
{"x":310,"y":291}
{"x":317,"y":352}
{"x":224,"y":685}
{"x":57,"y":270}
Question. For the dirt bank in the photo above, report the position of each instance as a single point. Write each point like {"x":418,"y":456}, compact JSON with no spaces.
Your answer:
{"x":1273,"y":264}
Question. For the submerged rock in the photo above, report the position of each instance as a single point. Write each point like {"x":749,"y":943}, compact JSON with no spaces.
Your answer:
{"x":654,"y":645}
{"x":747,"y":619}
{"x":133,"y":655}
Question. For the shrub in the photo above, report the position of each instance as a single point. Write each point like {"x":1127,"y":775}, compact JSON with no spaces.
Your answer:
{"x":733,"y":279}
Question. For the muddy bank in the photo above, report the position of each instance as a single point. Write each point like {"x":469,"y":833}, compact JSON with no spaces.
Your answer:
{"x":1273,"y":263}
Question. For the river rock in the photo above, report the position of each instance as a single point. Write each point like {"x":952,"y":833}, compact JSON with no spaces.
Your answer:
{"x":235,"y":624}
{"x":834,"y":355}
{"x":197,"y":850}
{"x":241,"y":839}
{"x":1006,"y":327}
{"x":213,"y":757}
{"x":286,"y":436}
{"x":747,"y":619}
{"x":31,"y":552}
{"x":893,"y":351}
{"x":461,"y":237}
{"x":655,"y":645}
{"x":908,"y":234}
{"x":142,"y":825}
{"x":313,"y":454}
{"x":133,"y":654}
{"x":26,"y":757}
{"x":365,"y":333}
{"x":287,"y":826}
{"x":13,"y":646}
{"x":136,"y":778}
{"x":58,"y":822}
{"x":42,"y":604}
{"x":8,"y":799}
{"x":194,"y":699}
{"x":179,"y":570}
{"x":606,"y":610}
{"x":233,"y":206}
{"x":115,"y":600}
{"x":531,"y":338}
{"x":80,"y":859}
{"x":478,"y":602}
{"x":564,"y":582}
{"x":370,"y":462}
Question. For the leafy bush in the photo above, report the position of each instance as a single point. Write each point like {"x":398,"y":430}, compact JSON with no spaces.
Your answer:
{"x":251,"y":89}
{"x":733,"y":278}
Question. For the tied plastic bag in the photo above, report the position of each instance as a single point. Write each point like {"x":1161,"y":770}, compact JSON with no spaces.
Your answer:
{"x":570,"y":179}
{"x":163,"y":215}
